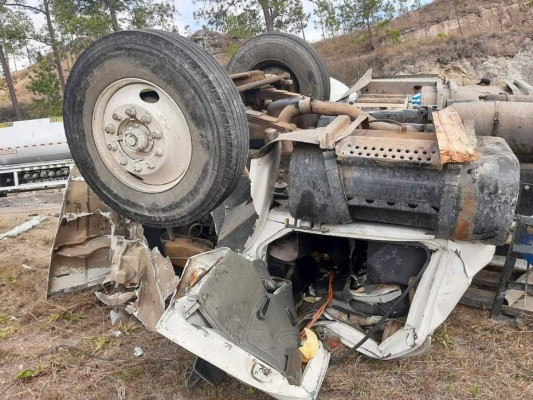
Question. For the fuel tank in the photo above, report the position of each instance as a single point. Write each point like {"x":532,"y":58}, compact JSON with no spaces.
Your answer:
{"x":32,"y":141}
{"x":472,"y":202}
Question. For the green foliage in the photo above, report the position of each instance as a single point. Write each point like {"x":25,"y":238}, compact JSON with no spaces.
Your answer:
{"x":245,"y":18}
{"x":442,"y":335}
{"x":16,"y":29}
{"x":232,"y":49}
{"x":243,"y":25}
{"x":393,"y":36}
{"x":442,"y":35}
{"x":26,"y":374}
{"x":46,"y":84}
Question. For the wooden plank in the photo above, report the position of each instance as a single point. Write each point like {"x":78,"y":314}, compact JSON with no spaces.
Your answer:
{"x":454,"y":146}
{"x":480,"y":298}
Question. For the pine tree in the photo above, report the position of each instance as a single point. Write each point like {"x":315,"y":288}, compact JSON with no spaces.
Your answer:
{"x":46,"y":84}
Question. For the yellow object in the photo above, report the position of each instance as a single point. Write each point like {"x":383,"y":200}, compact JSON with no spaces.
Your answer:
{"x":310,"y":347}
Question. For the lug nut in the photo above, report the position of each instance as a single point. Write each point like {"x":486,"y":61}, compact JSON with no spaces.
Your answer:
{"x":112,"y":146}
{"x":150,"y":164}
{"x":117,"y":116}
{"x":146,"y":119}
{"x":110,"y":129}
{"x":157,"y":135}
{"x":158,"y":152}
{"x":137,"y":167}
{"x":123,"y":161}
{"x":130,"y":112}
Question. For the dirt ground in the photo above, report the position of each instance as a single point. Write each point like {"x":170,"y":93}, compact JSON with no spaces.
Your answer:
{"x":64,"y":348}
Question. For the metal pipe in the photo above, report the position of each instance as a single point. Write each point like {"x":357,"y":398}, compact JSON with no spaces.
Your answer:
{"x":312,"y":106}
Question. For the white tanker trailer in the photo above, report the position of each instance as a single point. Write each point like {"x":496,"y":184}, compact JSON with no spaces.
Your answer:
{"x":33,"y":155}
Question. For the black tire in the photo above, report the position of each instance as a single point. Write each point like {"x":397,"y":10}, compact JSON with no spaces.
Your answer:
{"x":210,"y":104}
{"x":277,"y":52}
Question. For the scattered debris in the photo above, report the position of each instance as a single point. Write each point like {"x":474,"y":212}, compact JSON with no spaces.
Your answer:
{"x":138,"y":351}
{"x":26,"y":226}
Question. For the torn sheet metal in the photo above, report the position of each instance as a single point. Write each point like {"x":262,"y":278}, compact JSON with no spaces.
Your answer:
{"x":81,"y":251}
{"x":452,"y":265}
{"x":142,"y":280}
{"x":185,"y":323}
{"x":26,"y":226}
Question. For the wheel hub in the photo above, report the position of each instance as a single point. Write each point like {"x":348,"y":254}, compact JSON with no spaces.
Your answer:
{"x":145,"y":144}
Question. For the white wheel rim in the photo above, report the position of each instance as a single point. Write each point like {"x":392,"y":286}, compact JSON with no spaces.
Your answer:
{"x":141,"y":135}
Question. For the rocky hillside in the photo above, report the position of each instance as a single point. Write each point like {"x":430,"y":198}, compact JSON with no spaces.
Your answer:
{"x":486,"y":38}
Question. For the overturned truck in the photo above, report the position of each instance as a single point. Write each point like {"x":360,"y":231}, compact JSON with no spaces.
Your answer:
{"x":256,"y":224}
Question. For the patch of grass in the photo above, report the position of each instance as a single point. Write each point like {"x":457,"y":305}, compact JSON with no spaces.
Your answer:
{"x":130,"y":374}
{"x":98,"y":343}
{"x":4,"y":318}
{"x":129,"y":328}
{"x":67,"y":316}
{"x":27,"y":374}
{"x":474,"y":390}
{"x":442,"y":336}
{"x":7,"y":331}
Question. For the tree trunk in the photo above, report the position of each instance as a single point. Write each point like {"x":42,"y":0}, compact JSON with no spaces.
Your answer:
{"x":457,"y":17}
{"x":269,"y":18}
{"x":369,"y":29}
{"x":53,"y":41}
{"x":10,"y":86}
{"x":302,"y":28}
{"x":112,"y":15}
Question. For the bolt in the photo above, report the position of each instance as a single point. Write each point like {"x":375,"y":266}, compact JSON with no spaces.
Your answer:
{"x":157,"y":135}
{"x":123,"y":161}
{"x":146,"y":119}
{"x":131,"y":140}
{"x":112,"y":146}
{"x":158,"y":152}
{"x":150,"y":164}
{"x":130,"y":112}
{"x":117,"y":116}
{"x":526,"y":187}
{"x":109,"y":129}
{"x":137,"y":167}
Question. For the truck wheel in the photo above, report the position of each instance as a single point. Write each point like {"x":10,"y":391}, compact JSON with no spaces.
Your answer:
{"x":155,"y":126}
{"x":280,"y":52}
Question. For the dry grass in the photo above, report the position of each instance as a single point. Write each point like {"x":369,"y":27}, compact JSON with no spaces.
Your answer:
{"x":64,"y":347}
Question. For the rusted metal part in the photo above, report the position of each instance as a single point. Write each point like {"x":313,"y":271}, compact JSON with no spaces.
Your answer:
{"x":325,"y":137}
{"x":263,"y":82}
{"x":453,"y":142}
{"x":312,"y":106}
{"x":259,"y":123}
{"x":509,"y":120}
{"x":181,"y":248}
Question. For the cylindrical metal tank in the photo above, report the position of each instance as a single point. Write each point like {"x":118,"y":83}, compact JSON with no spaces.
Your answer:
{"x":32,"y":141}
{"x":512,"y":121}
{"x":467,"y":202}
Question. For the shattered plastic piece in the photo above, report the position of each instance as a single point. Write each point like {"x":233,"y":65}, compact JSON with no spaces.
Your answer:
{"x":26,"y":226}
{"x":379,"y":294}
{"x":310,"y":346}
{"x":118,"y":316}
{"x":138,"y":352}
